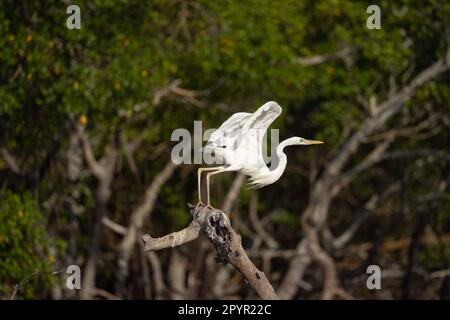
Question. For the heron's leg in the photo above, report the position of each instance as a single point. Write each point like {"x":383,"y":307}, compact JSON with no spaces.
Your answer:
{"x":199,"y":180}
{"x":208,"y":177}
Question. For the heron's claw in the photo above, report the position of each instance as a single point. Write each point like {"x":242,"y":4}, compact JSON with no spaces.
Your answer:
{"x":200,"y":204}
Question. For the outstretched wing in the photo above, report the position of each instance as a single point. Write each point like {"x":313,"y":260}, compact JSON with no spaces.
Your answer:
{"x":246,"y":132}
{"x":222,"y":140}
{"x":253,"y":131}
{"x":228,"y":131}
{"x":262,"y":118}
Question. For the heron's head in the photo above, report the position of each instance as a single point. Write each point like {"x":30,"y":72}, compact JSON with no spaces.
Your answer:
{"x":305,"y":142}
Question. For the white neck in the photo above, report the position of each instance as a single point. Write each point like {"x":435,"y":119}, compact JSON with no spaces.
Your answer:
{"x":282,"y":158}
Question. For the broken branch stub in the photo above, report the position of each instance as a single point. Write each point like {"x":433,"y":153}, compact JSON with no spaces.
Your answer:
{"x":217,"y":227}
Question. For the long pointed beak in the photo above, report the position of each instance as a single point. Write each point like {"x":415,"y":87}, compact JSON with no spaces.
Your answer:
{"x":313,"y":142}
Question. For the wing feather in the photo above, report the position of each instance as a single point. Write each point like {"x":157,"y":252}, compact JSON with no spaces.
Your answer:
{"x":229,"y":130}
{"x":244,"y":131}
{"x":255,"y":128}
{"x":262,"y":118}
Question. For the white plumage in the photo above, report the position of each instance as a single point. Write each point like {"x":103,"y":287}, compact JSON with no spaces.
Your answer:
{"x":238,"y":146}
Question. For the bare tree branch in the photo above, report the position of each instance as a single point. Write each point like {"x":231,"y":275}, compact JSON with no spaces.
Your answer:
{"x":103,"y":294}
{"x":113,"y":226}
{"x":331,"y":285}
{"x":319,"y":59}
{"x":256,"y":223}
{"x":10,"y":161}
{"x":137,"y":219}
{"x":216,"y":225}
{"x":321,"y":194}
{"x":385,"y":111}
{"x":94,"y":166}
{"x":21,"y":284}
{"x":158,"y":278}
{"x":103,"y":170}
{"x":233,"y":192}
{"x":363,"y":214}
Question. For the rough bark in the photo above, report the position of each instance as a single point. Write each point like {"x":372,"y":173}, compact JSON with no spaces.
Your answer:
{"x":217,"y":227}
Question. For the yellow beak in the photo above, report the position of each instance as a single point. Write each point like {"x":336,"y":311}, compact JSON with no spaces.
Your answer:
{"x":313,"y":142}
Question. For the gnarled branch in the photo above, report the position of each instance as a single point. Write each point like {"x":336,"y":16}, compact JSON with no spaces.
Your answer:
{"x":217,"y":227}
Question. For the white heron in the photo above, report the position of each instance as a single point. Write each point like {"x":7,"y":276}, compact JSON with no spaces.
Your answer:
{"x":238,"y":144}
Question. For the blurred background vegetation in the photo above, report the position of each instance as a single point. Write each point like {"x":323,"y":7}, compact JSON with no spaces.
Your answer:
{"x":86,"y":118}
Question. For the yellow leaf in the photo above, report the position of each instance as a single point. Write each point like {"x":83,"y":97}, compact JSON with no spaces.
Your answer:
{"x":84,"y":120}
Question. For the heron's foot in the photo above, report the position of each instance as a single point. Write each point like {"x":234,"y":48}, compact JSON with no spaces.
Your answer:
{"x":209,"y":206}
{"x":200,"y":204}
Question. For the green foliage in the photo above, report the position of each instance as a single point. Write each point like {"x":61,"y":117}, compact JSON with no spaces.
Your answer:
{"x":24,"y":244}
{"x":235,"y":55}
